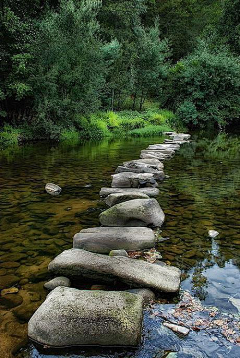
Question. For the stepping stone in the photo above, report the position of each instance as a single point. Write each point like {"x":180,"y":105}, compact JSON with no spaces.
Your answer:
{"x":180,"y":136}
{"x":157,"y":153}
{"x":180,"y":142}
{"x":105,"y":239}
{"x":71,"y":317}
{"x":164,"y":146}
{"x":137,"y":212}
{"x":154,"y":163}
{"x":141,"y":168}
{"x":117,"y":198}
{"x":149,"y":191}
{"x":136,"y":273}
{"x":166,"y":151}
{"x":133,"y":180}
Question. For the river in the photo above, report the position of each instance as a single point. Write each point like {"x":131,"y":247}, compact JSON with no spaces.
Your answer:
{"x":201,"y":193}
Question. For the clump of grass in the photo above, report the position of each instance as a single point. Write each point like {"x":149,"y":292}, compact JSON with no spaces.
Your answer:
{"x":150,"y":130}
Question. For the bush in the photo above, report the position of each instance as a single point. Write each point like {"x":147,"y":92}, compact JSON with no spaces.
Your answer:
{"x":69,"y":136}
{"x":204,"y":87}
{"x":9,"y":135}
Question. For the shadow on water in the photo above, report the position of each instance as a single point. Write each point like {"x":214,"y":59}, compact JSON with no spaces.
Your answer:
{"x":202,"y":193}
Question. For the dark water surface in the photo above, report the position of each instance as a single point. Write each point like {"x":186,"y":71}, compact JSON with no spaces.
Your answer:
{"x":202,"y":193}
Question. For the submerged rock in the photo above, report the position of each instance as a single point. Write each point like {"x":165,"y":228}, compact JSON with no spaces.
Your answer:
{"x":149,"y":191}
{"x":57,"y":281}
{"x":176,"y":328}
{"x":146,"y":294}
{"x":118,"y":253}
{"x":137,"y":212}
{"x":53,"y":189}
{"x":136,"y":273}
{"x":104,"y":239}
{"x":117,"y":198}
{"x":70,"y":317}
{"x":133,"y":180}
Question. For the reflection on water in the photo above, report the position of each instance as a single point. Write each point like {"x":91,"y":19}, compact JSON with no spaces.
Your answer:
{"x":202,"y":193}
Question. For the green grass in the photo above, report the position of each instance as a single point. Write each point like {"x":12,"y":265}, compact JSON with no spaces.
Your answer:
{"x":150,"y":130}
{"x":150,"y":122}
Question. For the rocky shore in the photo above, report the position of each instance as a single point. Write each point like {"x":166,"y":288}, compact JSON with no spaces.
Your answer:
{"x":73,"y":317}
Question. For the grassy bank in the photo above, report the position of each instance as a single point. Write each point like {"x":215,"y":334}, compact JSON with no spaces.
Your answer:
{"x":96,"y":126}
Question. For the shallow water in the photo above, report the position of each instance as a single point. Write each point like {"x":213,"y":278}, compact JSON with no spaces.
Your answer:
{"x":202,"y":193}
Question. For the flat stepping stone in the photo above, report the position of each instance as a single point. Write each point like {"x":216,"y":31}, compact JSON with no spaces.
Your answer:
{"x":80,"y":264}
{"x":179,"y":136}
{"x":137,"y":212}
{"x":141,"y":168}
{"x":71,"y":317}
{"x":105,"y":239}
{"x":163,"y":146}
{"x":149,"y":191}
{"x":117,"y":198}
{"x":180,"y":142}
{"x":154,"y":163}
{"x":153,"y":154}
{"x":133,"y":180}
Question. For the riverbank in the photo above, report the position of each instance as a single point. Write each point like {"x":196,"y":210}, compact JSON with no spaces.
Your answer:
{"x":151,"y":122}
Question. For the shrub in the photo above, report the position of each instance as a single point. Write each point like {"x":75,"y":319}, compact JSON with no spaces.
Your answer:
{"x":69,"y":136}
{"x":204,"y":87}
{"x":9,"y":135}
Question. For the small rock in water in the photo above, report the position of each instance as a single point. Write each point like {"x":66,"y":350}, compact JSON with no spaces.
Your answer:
{"x":118,"y":253}
{"x":7,"y":291}
{"x":57,"y":281}
{"x":213,"y":233}
{"x":53,"y":189}
{"x":176,"y":328}
{"x":146,"y":294}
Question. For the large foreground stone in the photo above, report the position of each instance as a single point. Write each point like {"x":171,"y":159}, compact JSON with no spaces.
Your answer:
{"x":70,"y":317}
{"x":133,"y":180}
{"x":117,"y":198}
{"x":149,"y":191}
{"x":79,"y":264}
{"x":105,"y":239}
{"x":137,"y":212}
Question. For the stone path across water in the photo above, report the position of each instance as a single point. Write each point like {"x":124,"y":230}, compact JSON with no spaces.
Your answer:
{"x":73,"y":317}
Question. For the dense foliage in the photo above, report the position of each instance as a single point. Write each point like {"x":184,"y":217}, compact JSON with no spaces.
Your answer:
{"x":205,"y":86}
{"x":62,"y":60}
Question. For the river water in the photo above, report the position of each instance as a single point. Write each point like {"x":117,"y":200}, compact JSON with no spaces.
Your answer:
{"x":201,"y":193}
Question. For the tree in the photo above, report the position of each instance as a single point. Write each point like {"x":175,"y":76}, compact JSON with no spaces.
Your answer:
{"x":69,"y":71}
{"x":229,"y":25}
{"x":204,"y":87}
